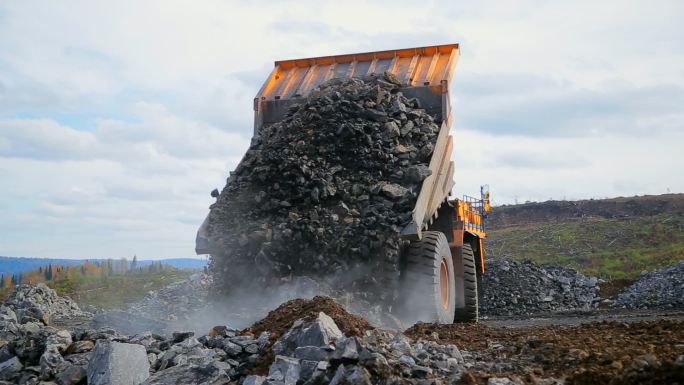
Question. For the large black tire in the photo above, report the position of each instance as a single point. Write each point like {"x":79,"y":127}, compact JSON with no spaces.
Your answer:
{"x":466,"y":286}
{"x":427,"y":286}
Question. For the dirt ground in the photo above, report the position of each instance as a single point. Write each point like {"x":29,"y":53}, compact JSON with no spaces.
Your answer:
{"x":279,"y":321}
{"x":602,"y":352}
{"x":595,"y":347}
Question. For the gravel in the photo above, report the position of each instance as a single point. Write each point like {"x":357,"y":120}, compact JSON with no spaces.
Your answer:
{"x":658,"y":289}
{"x":326,"y":189}
{"x":328,"y":345}
{"x":511,"y":288}
{"x":312,"y":349}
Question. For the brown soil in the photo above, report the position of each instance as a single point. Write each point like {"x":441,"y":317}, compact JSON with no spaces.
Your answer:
{"x":610,"y":289}
{"x":280,"y":320}
{"x":594,"y":353}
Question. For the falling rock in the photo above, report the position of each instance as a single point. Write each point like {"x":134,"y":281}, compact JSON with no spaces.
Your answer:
{"x":10,"y":368}
{"x":116,"y":363}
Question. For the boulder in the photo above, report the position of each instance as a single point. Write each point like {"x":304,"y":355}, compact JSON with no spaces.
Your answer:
{"x":73,"y":375}
{"x":10,"y":368}
{"x":285,"y":370}
{"x":116,"y":363}
{"x":320,"y":333}
{"x":187,"y":374}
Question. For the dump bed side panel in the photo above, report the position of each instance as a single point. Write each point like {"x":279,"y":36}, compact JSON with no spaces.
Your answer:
{"x":425,"y":72}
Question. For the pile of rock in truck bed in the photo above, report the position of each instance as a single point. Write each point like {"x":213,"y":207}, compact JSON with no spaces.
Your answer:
{"x":326,"y":189}
{"x":317,"y":348}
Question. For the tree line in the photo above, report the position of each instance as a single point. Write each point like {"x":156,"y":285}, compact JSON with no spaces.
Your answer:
{"x":89,"y":269}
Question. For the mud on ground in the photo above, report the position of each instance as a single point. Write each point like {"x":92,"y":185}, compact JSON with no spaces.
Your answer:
{"x":606,"y":352}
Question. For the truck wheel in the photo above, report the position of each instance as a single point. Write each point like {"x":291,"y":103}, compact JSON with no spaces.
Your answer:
{"x":466,"y":286}
{"x":428,"y":286}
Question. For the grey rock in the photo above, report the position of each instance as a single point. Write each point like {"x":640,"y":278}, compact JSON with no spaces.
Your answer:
{"x":418,"y":173}
{"x":187,"y":374}
{"x":116,"y":363}
{"x":307,"y":369}
{"x":525,"y":288}
{"x":285,"y":369}
{"x":51,"y":363}
{"x":181,"y":336}
{"x":243,"y":340}
{"x":71,"y":376}
{"x":254,"y":380}
{"x":394,"y":191}
{"x":312,"y":353}
{"x":351,"y":375}
{"x":232,"y":349}
{"x":10,"y":368}
{"x":80,"y":347}
{"x":60,"y":340}
{"x":500,"y":381}
{"x":392,"y":129}
{"x":347,"y":350}
{"x":321,"y":332}
{"x":658,"y":289}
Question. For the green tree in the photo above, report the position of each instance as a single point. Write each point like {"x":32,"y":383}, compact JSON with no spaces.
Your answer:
{"x":48,"y":273}
{"x":134,"y":263}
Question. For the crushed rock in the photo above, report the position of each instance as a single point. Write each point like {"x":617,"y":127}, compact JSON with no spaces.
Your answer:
{"x":658,"y":289}
{"x":524,"y":288}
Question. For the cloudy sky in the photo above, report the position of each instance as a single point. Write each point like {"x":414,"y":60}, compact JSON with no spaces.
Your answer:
{"x":117,"y":118}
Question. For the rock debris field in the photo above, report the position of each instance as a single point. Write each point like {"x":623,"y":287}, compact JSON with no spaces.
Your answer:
{"x":47,"y":339}
{"x":325,"y":190}
{"x":658,"y":289}
{"x":511,"y":288}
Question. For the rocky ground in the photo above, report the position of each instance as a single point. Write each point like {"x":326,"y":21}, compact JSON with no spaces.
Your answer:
{"x":46,"y":339}
{"x":316,"y":341}
{"x":511,"y":288}
{"x":658,"y":289}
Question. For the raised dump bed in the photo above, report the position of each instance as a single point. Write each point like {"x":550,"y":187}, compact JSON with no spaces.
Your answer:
{"x":425,"y":73}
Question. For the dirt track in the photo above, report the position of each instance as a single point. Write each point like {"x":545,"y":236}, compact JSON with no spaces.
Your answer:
{"x":622,"y":348}
{"x":583,"y":317}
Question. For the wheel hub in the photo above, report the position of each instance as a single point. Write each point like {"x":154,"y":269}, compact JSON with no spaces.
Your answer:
{"x":444,"y":289}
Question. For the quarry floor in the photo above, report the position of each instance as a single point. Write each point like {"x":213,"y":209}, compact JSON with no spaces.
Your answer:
{"x":601,"y":347}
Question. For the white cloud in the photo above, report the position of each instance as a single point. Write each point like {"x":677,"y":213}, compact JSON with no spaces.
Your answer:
{"x":117,"y":118}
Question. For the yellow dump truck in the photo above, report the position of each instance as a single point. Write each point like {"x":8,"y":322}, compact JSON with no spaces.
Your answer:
{"x":440,"y":269}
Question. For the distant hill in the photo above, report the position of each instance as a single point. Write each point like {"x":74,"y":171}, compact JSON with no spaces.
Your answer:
{"x":611,"y":238}
{"x":613,"y":208}
{"x":15,"y":265}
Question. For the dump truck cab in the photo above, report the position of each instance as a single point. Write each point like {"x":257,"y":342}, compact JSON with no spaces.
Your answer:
{"x":446,"y":232}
